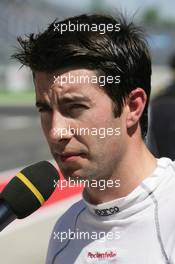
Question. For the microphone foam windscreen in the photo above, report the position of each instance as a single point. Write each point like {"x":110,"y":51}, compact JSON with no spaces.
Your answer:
{"x":30,"y":188}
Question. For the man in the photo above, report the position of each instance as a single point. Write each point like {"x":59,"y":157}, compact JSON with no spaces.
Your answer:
{"x":161,"y":136}
{"x":88,"y":81}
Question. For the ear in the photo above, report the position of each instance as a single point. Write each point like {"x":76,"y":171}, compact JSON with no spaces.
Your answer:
{"x":136,"y":102}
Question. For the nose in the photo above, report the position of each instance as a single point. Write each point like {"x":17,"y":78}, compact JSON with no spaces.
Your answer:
{"x":60,"y":128}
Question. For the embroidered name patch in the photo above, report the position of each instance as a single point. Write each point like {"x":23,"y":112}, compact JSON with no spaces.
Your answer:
{"x":107,"y":211}
{"x":101,"y":255}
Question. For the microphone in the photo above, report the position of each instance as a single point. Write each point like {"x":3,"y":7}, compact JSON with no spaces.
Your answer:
{"x":27,"y":192}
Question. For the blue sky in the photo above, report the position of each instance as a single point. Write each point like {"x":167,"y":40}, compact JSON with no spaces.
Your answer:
{"x":166,"y":7}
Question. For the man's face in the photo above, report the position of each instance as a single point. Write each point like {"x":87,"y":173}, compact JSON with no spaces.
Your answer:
{"x":85,"y":111}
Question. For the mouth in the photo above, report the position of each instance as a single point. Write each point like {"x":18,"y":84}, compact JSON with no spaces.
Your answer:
{"x":70,"y":156}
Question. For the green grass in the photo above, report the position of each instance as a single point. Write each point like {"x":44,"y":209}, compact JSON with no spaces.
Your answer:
{"x":17,"y":98}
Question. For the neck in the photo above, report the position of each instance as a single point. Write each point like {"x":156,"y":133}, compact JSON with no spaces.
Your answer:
{"x":130,"y":171}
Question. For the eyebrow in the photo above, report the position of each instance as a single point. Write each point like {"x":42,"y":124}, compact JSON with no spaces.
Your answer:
{"x":70,"y":98}
{"x":65,"y":99}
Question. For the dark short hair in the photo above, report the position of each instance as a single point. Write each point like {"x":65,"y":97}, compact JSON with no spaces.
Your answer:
{"x":123,"y":53}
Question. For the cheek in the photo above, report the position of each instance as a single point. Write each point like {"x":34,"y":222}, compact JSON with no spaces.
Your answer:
{"x":103,"y":147}
{"x":110,"y":152}
{"x":45,"y":124}
{"x":102,"y":117}
{"x":100,"y":123}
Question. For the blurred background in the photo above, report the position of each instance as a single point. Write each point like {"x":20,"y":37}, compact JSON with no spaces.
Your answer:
{"x":21,"y":138}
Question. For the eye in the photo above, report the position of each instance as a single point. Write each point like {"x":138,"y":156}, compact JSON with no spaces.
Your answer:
{"x":78,"y":106}
{"x":43,"y":109}
{"x":74,"y":110}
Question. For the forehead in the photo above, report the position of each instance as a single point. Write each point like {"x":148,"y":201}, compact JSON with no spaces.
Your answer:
{"x":69,"y":83}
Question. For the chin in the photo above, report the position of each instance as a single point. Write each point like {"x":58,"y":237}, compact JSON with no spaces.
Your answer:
{"x":75,"y":175}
